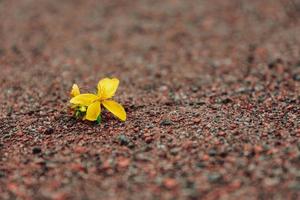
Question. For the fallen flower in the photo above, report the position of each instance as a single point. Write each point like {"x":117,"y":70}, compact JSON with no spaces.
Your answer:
{"x":92,"y":102}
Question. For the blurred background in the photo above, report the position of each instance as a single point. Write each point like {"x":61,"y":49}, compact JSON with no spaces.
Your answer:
{"x":149,"y":34}
{"x":141,"y":42}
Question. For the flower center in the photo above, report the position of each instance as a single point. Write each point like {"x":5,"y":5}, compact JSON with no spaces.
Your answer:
{"x":97,"y":99}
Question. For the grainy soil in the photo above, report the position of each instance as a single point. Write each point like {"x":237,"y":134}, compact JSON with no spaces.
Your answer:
{"x":211,"y":89}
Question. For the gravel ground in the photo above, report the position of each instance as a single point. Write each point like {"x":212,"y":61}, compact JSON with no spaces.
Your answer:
{"x":211,"y":89}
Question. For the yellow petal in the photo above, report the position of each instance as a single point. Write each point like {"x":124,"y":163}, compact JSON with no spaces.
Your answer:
{"x":115,"y":109}
{"x":107,"y":87}
{"x":93,"y":111}
{"x":84,"y":99}
{"x":75,"y":90}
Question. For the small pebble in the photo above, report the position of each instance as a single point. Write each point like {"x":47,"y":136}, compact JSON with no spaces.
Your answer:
{"x":170,"y":183}
{"x":166,"y":122}
{"x":123,"y":140}
{"x":296,"y":77}
{"x":36,"y":150}
{"x":212,"y":152}
{"x":49,"y":131}
{"x":214,"y":177}
{"x":221,"y":133}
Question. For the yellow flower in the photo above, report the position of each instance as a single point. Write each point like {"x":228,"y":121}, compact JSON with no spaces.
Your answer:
{"x":106,"y":89}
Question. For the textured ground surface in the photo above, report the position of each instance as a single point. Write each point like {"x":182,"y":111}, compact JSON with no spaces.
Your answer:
{"x":211,"y":89}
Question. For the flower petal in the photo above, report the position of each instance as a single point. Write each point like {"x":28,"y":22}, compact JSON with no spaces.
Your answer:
{"x":115,"y":108}
{"x":93,"y":111}
{"x":107,"y":87}
{"x":75,"y":90}
{"x":83,"y":99}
